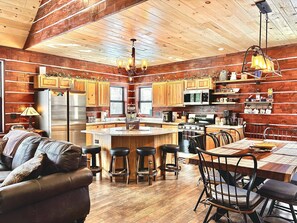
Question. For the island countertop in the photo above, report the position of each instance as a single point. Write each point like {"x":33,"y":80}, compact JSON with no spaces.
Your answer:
{"x":122,"y":131}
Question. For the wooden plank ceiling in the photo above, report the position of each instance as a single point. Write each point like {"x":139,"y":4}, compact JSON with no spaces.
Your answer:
{"x":175,"y":30}
{"x":16,"y":18}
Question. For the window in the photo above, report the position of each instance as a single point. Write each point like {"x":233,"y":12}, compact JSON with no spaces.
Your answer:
{"x":117,"y":100}
{"x":1,"y":96}
{"x":145,"y":100}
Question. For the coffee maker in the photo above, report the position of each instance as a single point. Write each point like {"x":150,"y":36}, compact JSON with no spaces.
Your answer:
{"x":167,"y":116}
{"x":227,"y":116}
{"x":233,"y":119}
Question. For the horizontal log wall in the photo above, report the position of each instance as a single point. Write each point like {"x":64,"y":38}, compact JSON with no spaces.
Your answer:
{"x":285,"y":88}
{"x":20,"y":68}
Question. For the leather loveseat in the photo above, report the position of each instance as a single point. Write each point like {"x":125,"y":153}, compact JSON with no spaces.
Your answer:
{"x":60,"y":192}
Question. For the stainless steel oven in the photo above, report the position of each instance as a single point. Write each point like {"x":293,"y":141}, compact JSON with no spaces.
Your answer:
{"x":185,"y":132}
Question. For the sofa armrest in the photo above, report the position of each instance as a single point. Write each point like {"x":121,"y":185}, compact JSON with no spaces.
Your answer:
{"x":32,"y":191}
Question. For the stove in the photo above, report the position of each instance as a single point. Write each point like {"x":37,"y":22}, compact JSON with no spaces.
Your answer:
{"x":188,"y":130}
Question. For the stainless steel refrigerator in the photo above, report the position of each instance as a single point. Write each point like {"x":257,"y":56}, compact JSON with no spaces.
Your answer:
{"x":62,"y":114}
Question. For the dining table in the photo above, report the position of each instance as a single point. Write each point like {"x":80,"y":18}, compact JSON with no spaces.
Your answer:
{"x":278,"y":162}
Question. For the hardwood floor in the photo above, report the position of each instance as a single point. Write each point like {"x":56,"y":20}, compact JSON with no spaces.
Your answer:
{"x":165,"y":201}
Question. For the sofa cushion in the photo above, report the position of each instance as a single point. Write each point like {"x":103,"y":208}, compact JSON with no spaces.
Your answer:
{"x":28,"y":170}
{"x":25,"y":151}
{"x":6,"y":161}
{"x":61,"y":156}
{"x":15,"y":138}
{"x":4,"y":174}
{"x":2,"y":144}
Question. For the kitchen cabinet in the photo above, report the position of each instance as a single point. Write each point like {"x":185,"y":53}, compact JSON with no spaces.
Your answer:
{"x":79,"y":85}
{"x":204,"y":83}
{"x":42,"y":81}
{"x":65,"y":82}
{"x":91,"y":94}
{"x":159,"y":94}
{"x":89,"y":137}
{"x":168,"y":94}
{"x":103,"y":94}
{"x":175,"y":93}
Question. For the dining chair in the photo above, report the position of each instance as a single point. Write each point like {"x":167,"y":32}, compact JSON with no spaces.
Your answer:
{"x":223,"y":191}
{"x":196,"y":142}
{"x":238,"y":135}
{"x":280,"y":134}
{"x":279,"y":191}
{"x":223,"y":137}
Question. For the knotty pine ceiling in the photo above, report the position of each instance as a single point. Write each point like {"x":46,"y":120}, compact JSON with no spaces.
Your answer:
{"x":175,"y":30}
{"x":16,"y":18}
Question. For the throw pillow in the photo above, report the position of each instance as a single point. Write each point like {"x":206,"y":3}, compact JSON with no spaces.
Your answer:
{"x":3,"y":144}
{"x":29,"y":169}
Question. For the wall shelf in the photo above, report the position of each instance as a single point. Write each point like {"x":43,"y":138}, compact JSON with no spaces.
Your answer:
{"x":240,"y":81}
{"x":258,"y":102}
{"x":224,"y":103}
{"x":224,"y":93}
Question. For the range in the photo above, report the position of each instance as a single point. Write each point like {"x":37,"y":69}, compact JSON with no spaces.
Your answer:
{"x":195,"y":126}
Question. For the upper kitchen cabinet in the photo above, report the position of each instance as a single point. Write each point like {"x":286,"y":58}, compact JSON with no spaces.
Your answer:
{"x":42,"y":81}
{"x":159,"y":94}
{"x":65,"y":82}
{"x":103,"y":94}
{"x":79,"y":85}
{"x":175,"y":95}
{"x":204,"y":83}
{"x":91,"y":94}
{"x":168,"y":94}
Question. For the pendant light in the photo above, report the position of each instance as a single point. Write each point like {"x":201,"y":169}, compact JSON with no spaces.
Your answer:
{"x":260,"y":61}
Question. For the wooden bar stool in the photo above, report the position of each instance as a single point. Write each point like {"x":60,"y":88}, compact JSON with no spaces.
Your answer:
{"x":93,"y":150}
{"x":124,"y":171}
{"x":170,"y":167}
{"x":149,"y":171}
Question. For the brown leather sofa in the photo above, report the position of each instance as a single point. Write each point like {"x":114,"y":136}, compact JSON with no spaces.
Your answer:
{"x":60,"y":195}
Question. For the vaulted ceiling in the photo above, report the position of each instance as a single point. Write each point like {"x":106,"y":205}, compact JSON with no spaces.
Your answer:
{"x":166,"y":30}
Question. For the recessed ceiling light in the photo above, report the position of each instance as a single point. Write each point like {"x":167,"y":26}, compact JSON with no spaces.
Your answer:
{"x":221,"y":49}
{"x":207,"y":2}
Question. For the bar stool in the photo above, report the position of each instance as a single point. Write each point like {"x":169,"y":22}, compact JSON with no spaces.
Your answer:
{"x":149,"y":171}
{"x":124,"y":171}
{"x":93,"y":150}
{"x":170,"y":167}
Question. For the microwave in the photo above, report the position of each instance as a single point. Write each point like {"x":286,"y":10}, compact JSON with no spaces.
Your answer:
{"x":197,"y":97}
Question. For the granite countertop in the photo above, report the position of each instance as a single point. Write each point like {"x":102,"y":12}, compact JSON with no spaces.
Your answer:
{"x":122,"y":131}
{"x":225,"y":126}
{"x":149,"y":121}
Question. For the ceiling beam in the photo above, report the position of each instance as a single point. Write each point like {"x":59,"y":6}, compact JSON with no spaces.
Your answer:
{"x":57,"y":17}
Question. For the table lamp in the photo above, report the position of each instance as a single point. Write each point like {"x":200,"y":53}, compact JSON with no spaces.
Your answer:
{"x":30,"y":111}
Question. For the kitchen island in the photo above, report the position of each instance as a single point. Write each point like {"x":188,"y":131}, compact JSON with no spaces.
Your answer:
{"x":121,"y":137}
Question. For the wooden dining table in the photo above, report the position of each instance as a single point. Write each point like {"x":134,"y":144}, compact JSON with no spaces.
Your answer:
{"x":279,"y":163}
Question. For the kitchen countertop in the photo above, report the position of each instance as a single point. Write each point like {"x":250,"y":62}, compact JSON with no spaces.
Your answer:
{"x":141,"y":121}
{"x":122,"y":131}
{"x":225,"y":126}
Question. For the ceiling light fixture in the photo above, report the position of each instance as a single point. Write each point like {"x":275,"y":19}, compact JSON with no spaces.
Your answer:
{"x":130,"y":67}
{"x":259,"y":59}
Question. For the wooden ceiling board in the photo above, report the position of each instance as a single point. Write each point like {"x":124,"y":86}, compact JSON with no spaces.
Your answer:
{"x":176,"y":30}
{"x":16,"y":18}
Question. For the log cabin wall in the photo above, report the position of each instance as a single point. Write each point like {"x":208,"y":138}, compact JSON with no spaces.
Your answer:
{"x":284,"y":110}
{"x":21,"y":66}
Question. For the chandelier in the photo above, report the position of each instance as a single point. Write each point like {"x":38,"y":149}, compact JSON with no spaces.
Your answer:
{"x":130,"y":67}
{"x":260,"y":61}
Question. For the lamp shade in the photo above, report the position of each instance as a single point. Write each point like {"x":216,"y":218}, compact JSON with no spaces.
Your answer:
{"x":30,"y":111}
